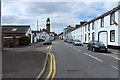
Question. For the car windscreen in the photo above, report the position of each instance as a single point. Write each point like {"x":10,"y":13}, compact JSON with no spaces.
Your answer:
{"x":98,"y":43}
{"x":47,"y":40}
{"x":77,"y":40}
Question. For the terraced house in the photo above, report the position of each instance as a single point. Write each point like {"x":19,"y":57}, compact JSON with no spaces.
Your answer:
{"x":105,"y":28}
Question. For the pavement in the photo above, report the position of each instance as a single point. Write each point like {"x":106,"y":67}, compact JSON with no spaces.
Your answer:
{"x":24,"y":62}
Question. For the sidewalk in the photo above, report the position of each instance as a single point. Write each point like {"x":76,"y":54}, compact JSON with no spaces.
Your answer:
{"x":114,"y":51}
{"x":23,"y":62}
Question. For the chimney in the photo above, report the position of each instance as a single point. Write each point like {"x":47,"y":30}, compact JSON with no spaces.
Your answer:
{"x":82,"y":22}
{"x":77,"y":26}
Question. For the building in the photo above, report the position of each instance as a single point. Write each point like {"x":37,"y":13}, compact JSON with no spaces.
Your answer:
{"x":105,"y":28}
{"x":52,"y":35}
{"x":44,"y":35}
{"x":36,"y":36}
{"x":12,"y":33}
{"x":48,"y":25}
{"x":61,"y":36}
{"x":67,"y":31}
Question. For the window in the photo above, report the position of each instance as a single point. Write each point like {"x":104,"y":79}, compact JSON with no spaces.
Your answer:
{"x":92,"y":25}
{"x":102,"y":22}
{"x":88,"y":37}
{"x":85,"y":37}
{"x":112,"y":18}
{"x":85,"y":28}
{"x":112,"y":36}
{"x":14,"y":29}
{"x":93,"y":37}
{"x":88,"y":27}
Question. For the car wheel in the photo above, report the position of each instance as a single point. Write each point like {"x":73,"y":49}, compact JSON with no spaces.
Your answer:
{"x":93,"y":49}
{"x":106,"y":51}
{"x":87,"y":48}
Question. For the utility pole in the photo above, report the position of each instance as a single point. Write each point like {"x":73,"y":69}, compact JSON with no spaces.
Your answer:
{"x":37,"y":24}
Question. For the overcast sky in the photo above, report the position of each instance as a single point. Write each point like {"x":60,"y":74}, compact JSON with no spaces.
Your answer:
{"x":61,"y":14}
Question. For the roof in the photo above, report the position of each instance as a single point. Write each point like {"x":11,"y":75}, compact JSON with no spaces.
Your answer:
{"x":15,"y":29}
{"x":105,"y":14}
{"x":35,"y":31}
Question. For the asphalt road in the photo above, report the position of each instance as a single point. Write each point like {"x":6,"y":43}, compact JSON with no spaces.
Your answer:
{"x":78,"y":62}
{"x":23,"y":62}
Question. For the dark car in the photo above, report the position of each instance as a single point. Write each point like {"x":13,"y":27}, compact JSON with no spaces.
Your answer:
{"x":47,"y":41}
{"x":95,"y":45}
{"x":66,"y":40}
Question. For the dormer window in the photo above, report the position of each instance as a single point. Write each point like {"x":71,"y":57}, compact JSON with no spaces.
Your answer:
{"x":14,"y":29}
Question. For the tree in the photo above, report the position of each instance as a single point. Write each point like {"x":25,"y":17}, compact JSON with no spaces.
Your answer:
{"x":24,"y":40}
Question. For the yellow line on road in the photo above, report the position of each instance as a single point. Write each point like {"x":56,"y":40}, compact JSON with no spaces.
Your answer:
{"x":50,"y":71}
{"x":54,"y":65}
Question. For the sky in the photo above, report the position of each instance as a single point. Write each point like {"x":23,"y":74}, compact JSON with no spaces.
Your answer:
{"x":61,"y":14}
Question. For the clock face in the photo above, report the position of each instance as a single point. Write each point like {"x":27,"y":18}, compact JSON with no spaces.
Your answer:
{"x":48,"y":22}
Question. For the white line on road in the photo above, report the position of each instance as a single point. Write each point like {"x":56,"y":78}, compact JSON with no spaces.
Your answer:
{"x":114,"y":67}
{"x":93,"y":57}
{"x":115,"y":57}
{"x":77,"y":49}
{"x":50,"y":48}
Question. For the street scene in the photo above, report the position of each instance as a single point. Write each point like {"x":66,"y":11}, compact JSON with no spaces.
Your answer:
{"x":40,"y":43}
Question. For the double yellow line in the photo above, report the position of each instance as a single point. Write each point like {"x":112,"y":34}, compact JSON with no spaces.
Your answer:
{"x":52,"y":68}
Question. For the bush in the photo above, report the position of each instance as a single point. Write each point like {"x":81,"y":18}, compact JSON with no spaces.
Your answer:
{"x":24,"y":40}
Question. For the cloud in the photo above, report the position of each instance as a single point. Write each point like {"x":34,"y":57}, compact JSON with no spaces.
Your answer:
{"x":60,"y":13}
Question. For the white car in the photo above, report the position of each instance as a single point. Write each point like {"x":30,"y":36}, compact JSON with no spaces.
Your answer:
{"x":77,"y":42}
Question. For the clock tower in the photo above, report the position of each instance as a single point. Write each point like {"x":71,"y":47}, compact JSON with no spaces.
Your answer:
{"x":48,"y":25}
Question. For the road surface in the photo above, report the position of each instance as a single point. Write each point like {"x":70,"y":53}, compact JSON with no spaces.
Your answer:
{"x":78,"y":62}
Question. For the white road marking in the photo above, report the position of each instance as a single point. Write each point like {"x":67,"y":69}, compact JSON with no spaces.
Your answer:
{"x":50,"y":48}
{"x":110,"y":56}
{"x":77,"y":49}
{"x":115,"y":57}
{"x":93,"y":57}
{"x":114,"y":67}
{"x":44,"y":66}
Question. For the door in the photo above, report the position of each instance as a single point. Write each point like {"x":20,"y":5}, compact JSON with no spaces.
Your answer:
{"x":103,"y":37}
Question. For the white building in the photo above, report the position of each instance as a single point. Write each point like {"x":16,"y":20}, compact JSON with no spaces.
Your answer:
{"x":105,"y":28}
{"x":52,"y":36}
{"x":44,"y":35}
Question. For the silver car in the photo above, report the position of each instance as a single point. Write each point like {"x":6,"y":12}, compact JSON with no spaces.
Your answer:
{"x":47,"y":41}
{"x":77,"y":42}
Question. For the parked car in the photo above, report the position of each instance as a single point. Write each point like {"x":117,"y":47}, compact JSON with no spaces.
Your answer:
{"x":70,"y":40}
{"x":47,"y":41}
{"x":95,"y":45}
{"x":77,"y":42}
{"x":66,"y":40}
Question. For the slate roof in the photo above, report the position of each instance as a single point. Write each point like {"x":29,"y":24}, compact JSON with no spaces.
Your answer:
{"x":103,"y":15}
{"x":19,"y":29}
